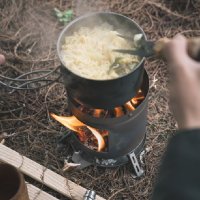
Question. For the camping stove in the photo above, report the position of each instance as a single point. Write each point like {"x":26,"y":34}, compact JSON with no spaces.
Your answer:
{"x":115,"y":136}
{"x":108,"y":117}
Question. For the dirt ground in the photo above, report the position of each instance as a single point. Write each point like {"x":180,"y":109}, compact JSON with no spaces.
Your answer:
{"x":28,"y":35}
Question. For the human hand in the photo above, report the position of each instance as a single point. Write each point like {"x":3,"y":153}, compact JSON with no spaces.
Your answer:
{"x":184,"y":83}
{"x":2,"y":59}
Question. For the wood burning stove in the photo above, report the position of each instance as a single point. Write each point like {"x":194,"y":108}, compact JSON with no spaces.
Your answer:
{"x":111,"y":131}
{"x":124,"y":135}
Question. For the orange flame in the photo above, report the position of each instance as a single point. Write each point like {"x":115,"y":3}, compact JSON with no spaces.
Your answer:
{"x":129,"y":106}
{"x":101,"y":142}
{"x":119,"y":111}
{"x":74,"y":124}
{"x":134,"y":101}
{"x":97,"y":112}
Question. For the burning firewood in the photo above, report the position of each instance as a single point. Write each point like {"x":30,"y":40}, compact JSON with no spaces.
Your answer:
{"x":74,"y":124}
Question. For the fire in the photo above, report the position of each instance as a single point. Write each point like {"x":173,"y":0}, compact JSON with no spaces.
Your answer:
{"x":118,"y":111}
{"x":129,"y":106}
{"x":101,"y":142}
{"x":134,"y":102}
{"x":122,"y":110}
{"x":99,"y":135}
{"x":75,"y":125}
{"x":97,"y":112}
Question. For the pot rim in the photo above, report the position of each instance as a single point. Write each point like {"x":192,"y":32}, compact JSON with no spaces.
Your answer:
{"x":90,"y":15}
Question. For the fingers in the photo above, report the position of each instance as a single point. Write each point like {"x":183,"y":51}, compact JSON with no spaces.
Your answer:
{"x":176,"y":54}
{"x":176,"y":49}
{"x":2,"y":59}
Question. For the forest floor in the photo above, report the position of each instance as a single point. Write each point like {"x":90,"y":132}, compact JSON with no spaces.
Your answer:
{"x":28,"y":34}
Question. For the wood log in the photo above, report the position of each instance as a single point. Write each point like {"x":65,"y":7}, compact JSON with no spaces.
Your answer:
{"x":38,"y":194}
{"x":43,"y":174}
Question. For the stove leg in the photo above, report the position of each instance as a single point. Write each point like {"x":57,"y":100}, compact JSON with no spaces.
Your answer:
{"x":137,"y":169}
{"x":90,"y":195}
{"x":76,"y":158}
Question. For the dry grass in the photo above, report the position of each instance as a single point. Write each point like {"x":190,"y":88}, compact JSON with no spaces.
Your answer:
{"x":30,"y":24}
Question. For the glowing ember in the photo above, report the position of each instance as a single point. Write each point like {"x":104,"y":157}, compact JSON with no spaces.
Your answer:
{"x":134,"y":101}
{"x":129,"y":106}
{"x":97,"y":112}
{"x":74,"y":124}
{"x":119,"y":111}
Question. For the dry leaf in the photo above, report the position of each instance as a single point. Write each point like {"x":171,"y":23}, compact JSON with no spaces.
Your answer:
{"x":2,"y":141}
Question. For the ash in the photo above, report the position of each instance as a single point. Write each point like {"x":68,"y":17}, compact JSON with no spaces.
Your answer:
{"x":107,"y":162}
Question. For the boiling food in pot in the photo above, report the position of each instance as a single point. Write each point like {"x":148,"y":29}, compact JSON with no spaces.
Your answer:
{"x":89,"y":53}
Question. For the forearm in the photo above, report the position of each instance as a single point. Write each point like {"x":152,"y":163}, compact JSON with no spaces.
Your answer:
{"x":179,"y":176}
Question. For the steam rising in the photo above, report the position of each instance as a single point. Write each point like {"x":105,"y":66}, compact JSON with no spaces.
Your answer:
{"x":43,"y":28}
{"x":82,"y":7}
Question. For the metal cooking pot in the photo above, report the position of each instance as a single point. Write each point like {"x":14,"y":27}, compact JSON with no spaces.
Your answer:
{"x":104,"y":94}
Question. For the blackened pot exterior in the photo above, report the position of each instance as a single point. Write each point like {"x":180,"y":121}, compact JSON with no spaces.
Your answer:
{"x":104,"y":94}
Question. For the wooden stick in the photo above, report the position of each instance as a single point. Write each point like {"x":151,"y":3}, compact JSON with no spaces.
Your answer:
{"x":37,"y":194}
{"x":42,"y":174}
{"x":193,"y":47}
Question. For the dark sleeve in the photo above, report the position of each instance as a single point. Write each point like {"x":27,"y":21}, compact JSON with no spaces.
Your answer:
{"x":179,"y":177}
